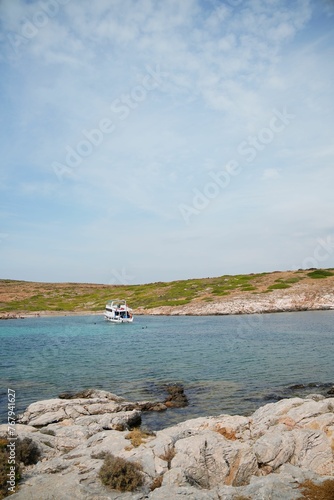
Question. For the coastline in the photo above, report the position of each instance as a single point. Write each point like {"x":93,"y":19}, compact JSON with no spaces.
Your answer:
{"x":299,"y":298}
{"x":170,"y":312}
{"x":47,"y":314}
{"x":275,"y":292}
{"x":52,"y":314}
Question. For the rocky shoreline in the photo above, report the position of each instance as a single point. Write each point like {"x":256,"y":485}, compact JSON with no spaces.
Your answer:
{"x":299,"y":298}
{"x":45,"y":314}
{"x":266,"y":455}
{"x":11,"y":316}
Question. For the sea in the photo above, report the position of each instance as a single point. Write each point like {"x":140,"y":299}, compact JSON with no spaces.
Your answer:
{"x":226,"y":364}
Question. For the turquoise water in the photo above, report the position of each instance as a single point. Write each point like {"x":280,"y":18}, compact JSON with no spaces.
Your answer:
{"x":227,"y":364}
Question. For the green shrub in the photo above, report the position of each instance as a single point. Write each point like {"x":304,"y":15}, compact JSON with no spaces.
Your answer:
{"x":278,"y":286}
{"x":293,"y":280}
{"x":120,"y":474}
{"x":220,"y":292}
{"x":320,"y":274}
{"x":27,"y":451}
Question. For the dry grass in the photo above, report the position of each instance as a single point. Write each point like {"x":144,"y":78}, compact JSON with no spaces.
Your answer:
{"x":119,"y":474}
{"x":322,"y":491}
{"x":137,"y":436}
{"x":157,"y":482}
{"x":168,"y":455}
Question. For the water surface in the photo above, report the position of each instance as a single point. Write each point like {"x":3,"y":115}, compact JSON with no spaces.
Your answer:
{"x":227,"y":364}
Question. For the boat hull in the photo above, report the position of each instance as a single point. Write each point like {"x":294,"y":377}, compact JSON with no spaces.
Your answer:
{"x":118,"y":320}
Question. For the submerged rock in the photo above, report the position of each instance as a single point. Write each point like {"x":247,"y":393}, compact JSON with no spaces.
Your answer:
{"x":177,"y":397}
{"x":266,"y":455}
{"x":91,"y":393}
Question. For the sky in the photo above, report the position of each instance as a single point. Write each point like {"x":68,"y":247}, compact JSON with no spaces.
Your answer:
{"x":152,"y":140}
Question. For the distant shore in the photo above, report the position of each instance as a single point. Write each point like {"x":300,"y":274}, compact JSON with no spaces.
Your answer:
{"x":279,"y":291}
{"x":173,"y":312}
{"x":45,"y":314}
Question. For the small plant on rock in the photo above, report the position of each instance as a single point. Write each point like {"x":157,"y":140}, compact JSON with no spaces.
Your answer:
{"x":27,"y":451}
{"x":168,"y":455}
{"x":120,"y":474}
{"x":137,"y":436}
{"x":157,"y":482}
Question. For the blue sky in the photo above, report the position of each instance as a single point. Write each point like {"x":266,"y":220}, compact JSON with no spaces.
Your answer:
{"x":156,"y":140}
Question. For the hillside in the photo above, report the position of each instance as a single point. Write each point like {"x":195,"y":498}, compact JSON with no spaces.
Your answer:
{"x":265,"y":292}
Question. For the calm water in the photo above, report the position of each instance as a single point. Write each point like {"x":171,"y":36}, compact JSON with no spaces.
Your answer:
{"x":227,"y":364}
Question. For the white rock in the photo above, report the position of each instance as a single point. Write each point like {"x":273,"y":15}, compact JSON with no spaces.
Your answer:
{"x":274,"y":448}
{"x":232,"y":427}
{"x":19,"y":428}
{"x":209,"y":459}
{"x":48,"y":418}
{"x":309,"y":409}
{"x":315,"y":397}
{"x":312,"y":451}
{"x":215,"y":457}
{"x":271,"y":414}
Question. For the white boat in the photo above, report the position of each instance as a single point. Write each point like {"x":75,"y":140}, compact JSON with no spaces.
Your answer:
{"x":117,"y":311}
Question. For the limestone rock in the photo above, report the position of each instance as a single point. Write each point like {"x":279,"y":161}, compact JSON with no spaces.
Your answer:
{"x":313,"y":451}
{"x":92,"y":394}
{"x":266,"y":455}
{"x":209,"y":459}
{"x":274,"y":449}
